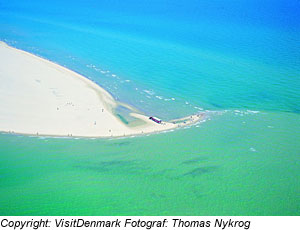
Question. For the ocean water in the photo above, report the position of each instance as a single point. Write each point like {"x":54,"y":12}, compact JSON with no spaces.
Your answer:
{"x":239,"y":61}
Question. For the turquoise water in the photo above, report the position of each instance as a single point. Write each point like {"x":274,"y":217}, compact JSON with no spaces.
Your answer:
{"x":168,"y":59}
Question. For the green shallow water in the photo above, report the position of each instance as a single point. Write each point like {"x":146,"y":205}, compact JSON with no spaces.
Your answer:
{"x":233,"y":164}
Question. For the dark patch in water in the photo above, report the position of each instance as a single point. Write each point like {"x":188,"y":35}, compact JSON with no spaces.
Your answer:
{"x":200,"y":171}
{"x":194,"y":160}
{"x":114,"y":166}
{"x":216,"y":105}
{"x":122,"y":143}
{"x":158,"y":196}
{"x":166,"y":173}
{"x":198,"y":193}
{"x":296,"y":110}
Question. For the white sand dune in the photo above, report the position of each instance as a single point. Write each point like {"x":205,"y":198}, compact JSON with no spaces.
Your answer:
{"x":42,"y":98}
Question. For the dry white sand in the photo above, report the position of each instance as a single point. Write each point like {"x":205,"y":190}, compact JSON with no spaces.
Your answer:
{"x":42,"y":98}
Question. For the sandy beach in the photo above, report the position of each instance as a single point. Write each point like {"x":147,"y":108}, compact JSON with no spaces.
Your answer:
{"x":42,"y":98}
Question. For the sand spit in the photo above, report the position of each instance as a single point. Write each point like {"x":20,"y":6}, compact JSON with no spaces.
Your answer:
{"x":39,"y":97}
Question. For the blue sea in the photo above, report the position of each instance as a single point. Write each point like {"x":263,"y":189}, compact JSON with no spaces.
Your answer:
{"x":238,"y":61}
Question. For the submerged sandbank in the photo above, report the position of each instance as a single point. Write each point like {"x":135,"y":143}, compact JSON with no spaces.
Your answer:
{"x":42,"y":98}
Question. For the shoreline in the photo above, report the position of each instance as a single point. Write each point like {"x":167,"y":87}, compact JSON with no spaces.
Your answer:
{"x":41,"y":98}
{"x":108,"y":137}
